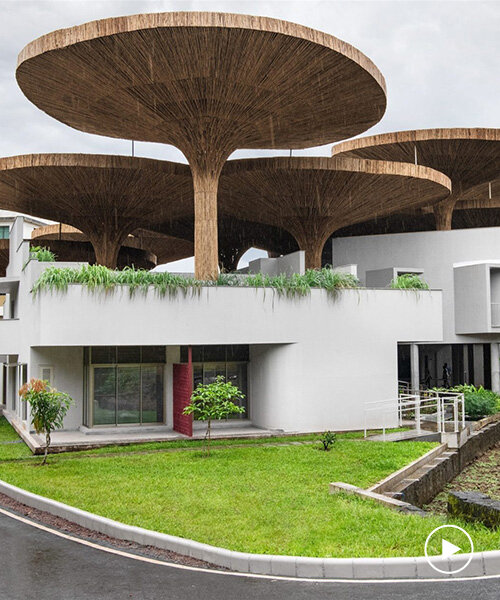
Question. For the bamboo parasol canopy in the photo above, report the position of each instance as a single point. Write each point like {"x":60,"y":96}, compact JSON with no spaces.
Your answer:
{"x":208,"y":83}
{"x":312,"y":197}
{"x":144,"y":249}
{"x":470,"y":157}
{"x":105,"y":197}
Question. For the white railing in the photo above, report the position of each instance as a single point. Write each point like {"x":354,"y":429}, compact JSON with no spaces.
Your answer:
{"x":445,"y":408}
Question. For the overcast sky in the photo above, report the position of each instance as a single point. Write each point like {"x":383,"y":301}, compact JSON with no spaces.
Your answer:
{"x":441,"y":61}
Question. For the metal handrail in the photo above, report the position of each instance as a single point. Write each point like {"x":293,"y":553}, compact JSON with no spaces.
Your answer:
{"x":441,"y":402}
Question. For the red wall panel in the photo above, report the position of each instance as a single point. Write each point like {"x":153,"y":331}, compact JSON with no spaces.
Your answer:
{"x":183,"y":388}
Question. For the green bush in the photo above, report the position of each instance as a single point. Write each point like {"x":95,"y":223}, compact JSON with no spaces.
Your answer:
{"x":42,"y":254}
{"x":479,"y":402}
{"x":327,"y":438}
{"x":409,"y":281}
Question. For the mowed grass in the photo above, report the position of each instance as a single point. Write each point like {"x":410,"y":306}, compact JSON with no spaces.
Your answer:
{"x":255,"y":498}
{"x":9,"y":450}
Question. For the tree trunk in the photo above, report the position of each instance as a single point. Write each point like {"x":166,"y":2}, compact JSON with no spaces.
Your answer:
{"x":209,"y":426}
{"x":47,"y":444}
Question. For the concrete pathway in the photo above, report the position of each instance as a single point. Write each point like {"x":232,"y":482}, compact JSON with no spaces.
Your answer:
{"x":38,"y":565}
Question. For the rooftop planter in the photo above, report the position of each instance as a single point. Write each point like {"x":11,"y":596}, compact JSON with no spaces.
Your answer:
{"x":97,"y":277}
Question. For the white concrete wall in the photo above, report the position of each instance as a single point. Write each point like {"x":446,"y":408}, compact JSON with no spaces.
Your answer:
{"x":288,"y":264}
{"x":314,"y":360}
{"x":436,"y":252}
{"x":68,"y":371}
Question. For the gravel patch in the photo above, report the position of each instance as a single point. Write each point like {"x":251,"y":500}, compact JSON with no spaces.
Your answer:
{"x":83,"y":533}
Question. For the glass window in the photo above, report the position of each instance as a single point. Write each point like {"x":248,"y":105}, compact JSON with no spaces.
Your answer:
{"x":152,"y":394}
{"x":103,"y":355}
{"x":197,"y":375}
{"x":128,"y":394}
{"x":110,"y":355}
{"x":214,"y":353}
{"x":4,"y":232}
{"x":128,"y":354}
{"x":153,"y":354}
{"x":237,"y":353}
{"x":104,"y":395}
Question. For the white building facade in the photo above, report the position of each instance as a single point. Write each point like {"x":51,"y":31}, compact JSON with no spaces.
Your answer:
{"x":465,"y":265}
{"x":305,"y":363}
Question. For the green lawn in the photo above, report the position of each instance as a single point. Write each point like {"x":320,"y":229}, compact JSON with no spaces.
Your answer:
{"x":8,"y":450}
{"x":255,"y":498}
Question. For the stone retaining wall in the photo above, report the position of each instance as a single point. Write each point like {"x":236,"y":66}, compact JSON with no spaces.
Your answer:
{"x":422,"y":490}
{"x":475,"y":506}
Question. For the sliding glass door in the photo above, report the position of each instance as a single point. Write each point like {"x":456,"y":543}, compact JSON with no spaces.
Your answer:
{"x":127,"y":394}
{"x":104,"y":406}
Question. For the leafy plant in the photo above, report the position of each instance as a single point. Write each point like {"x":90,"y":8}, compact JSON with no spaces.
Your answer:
{"x":214,"y":401}
{"x":48,"y":408}
{"x":96,"y":277}
{"x":409,"y":281}
{"x":42,"y":254}
{"x":327,"y":439}
{"x":479,"y":402}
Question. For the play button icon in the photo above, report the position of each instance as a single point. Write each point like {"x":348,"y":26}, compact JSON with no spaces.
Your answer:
{"x":448,"y":549}
{"x":439,"y":550}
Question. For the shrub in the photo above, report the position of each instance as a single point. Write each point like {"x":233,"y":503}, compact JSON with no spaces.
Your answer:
{"x":214,"y":401}
{"x":48,"y":408}
{"x":409,"y":281}
{"x":42,"y":254}
{"x":479,"y":402}
{"x":327,"y":439}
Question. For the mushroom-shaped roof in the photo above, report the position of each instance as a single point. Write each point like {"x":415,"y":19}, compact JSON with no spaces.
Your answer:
{"x":106,"y":197}
{"x":312,"y":197}
{"x":159,"y":77}
{"x":469,"y":157}
{"x":485,"y":195}
{"x":208,"y":83}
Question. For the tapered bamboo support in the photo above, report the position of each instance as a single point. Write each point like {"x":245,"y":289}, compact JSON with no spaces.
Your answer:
{"x":106,"y":246}
{"x":443,"y":214}
{"x":206,"y":257}
{"x":313,"y":253}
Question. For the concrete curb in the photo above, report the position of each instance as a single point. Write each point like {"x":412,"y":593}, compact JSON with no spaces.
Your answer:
{"x":483,"y":563}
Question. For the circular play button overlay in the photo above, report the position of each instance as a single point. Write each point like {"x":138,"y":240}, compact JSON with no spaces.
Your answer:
{"x":446,"y":541}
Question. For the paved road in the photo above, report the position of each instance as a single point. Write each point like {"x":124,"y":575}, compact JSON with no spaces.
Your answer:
{"x":37,"y":565}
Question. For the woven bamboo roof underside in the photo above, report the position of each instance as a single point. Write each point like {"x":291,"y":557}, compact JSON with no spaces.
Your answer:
{"x":106,"y":197}
{"x":158,"y":248}
{"x":181,"y":78}
{"x":81,"y":189}
{"x":306,"y":194}
{"x":469,"y":157}
{"x":406,"y":223}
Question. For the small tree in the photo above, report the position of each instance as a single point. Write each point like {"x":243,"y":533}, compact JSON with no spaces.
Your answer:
{"x":327,"y":438}
{"x":214,"y":401}
{"x":48,"y":408}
